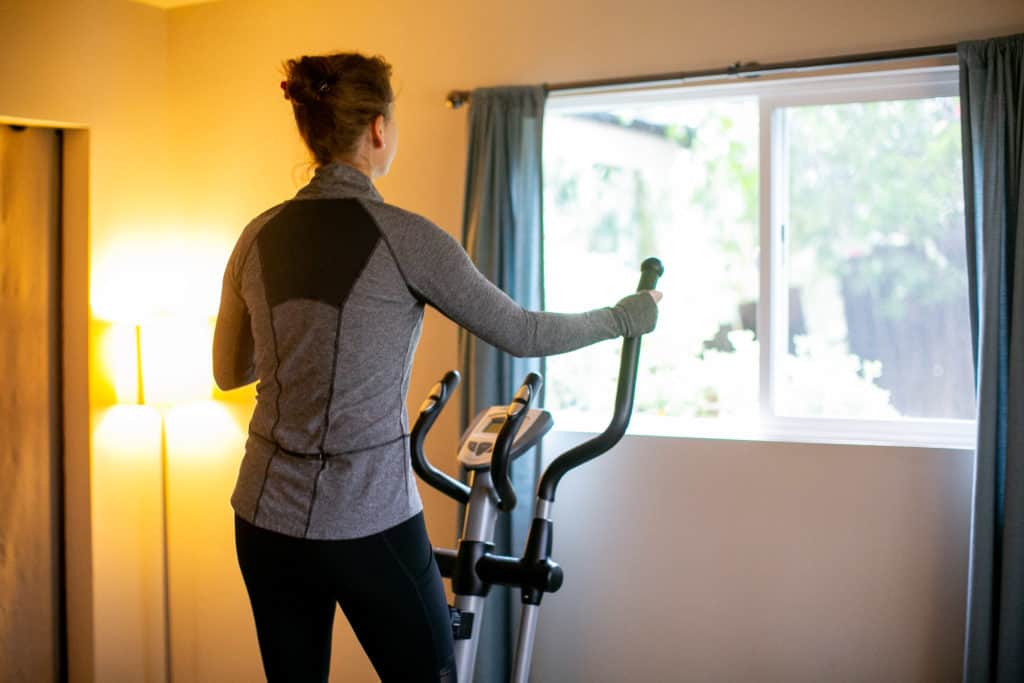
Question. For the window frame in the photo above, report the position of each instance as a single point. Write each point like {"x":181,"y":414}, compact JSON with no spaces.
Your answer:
{"x":774,"y":94}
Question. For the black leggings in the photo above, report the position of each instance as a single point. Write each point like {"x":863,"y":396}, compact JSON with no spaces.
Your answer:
{"x":387,"y":584}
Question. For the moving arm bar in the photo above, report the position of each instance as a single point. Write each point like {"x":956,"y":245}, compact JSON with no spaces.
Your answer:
{"x":429,"y":411}
{"x":501,"y":460}
{"x":651,"y":270}
{"x":604,"y":441}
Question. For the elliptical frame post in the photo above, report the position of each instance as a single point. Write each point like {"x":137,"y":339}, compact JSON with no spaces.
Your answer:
{"x":523,"y":661}
{"x":481,"y":517}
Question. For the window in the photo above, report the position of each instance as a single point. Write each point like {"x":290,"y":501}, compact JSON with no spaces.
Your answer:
{"x":812,"y":231}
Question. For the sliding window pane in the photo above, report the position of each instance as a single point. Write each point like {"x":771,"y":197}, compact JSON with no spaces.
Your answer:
{"x":876,"y":266}
{"x":673,"y":180}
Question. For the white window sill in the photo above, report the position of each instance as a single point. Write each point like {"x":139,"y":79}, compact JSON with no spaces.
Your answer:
{"x":920,"y":433}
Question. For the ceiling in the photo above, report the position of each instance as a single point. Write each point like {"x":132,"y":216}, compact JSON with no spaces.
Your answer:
{"x":171,"y":4}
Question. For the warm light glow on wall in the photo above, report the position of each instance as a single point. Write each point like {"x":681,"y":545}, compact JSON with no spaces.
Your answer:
{"x":176,"y":360}
{"x":119,"y":359}
{"x":128,"y":438}
{"x":160,"y":273}
{"x":160,"y":290}
{"x":126,"y":472}
{"x":200,"y":432}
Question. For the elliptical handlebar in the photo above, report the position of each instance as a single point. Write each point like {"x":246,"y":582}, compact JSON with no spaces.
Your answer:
{"x":429,"y":411}
{"x":501,"y":460}
{"x":651,"y":271}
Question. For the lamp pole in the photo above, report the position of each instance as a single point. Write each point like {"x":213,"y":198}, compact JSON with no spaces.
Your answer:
{"x":141,"y":398}
{"x":166,"y":547}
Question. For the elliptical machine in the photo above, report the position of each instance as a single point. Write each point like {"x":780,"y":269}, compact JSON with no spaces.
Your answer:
{"x":497,"y":436}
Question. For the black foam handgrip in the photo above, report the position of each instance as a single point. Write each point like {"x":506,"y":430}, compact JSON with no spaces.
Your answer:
{"x":501,"y":458}
{"x":650,"y":270}
{"x":429,"y":411}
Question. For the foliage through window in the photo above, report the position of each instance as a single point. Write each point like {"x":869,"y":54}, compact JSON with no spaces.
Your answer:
{"x":813,"y":236}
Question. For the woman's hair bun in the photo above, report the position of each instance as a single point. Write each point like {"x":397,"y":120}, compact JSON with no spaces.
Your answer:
{"x":334,"y":97}
{"x":310,"y":79}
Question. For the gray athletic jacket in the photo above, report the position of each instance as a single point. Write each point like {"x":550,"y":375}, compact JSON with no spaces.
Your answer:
{"x":322,"y":302}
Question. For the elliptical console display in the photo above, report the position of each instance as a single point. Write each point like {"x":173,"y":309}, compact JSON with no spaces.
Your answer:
{"x":479,"y":440}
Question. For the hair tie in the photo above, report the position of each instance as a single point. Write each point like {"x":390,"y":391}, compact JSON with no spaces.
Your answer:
{"x":284,"y":87}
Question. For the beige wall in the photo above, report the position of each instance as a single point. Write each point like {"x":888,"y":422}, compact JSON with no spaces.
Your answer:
{"x":705,"y":560}
{"x":100,"y":67}
{"x":190,"y":137}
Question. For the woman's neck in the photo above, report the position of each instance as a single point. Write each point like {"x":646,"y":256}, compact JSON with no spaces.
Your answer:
{"x":361,"y":163}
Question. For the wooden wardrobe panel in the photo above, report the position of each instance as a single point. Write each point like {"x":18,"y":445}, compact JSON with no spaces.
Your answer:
{"x":31,"y":616}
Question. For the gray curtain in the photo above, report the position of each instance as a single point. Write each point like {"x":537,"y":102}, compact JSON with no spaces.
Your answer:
{"x":31,"y":511}
{"x":992,"y":102}
{"x":501,"y":230}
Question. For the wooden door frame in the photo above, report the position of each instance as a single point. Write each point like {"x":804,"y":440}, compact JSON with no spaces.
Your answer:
{"x":78,"y":636}
{"x":78,"y":565}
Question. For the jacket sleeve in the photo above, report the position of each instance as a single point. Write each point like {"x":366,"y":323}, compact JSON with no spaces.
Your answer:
{"x":438,"y":270}
{"x":233,"y":345}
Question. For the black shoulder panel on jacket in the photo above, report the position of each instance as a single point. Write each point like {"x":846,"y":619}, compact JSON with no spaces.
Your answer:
{"x":316,"y":249}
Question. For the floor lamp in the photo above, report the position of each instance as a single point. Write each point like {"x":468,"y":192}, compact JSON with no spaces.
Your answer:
{"x":170,"y":367}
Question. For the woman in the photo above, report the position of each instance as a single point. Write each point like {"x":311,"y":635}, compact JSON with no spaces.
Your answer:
{"x":322,"y":302}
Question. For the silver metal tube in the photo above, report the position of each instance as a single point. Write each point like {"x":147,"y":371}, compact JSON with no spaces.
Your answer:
{"x":481,"y":516}
{"x":524,"y":647}
{"x":465,"y":650}
{"x":482,"y":509}
{"x":543,"y":509}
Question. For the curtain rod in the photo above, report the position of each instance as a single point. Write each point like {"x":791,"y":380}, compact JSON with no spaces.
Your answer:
{"x":457,"y":98}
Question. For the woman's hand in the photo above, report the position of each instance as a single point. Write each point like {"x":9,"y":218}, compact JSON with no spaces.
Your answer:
{"x":637,"y":313}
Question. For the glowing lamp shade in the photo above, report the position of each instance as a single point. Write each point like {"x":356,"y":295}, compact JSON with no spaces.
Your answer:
{"x":163,"y":361}
{"x":121,"y":361}
{"x":176,"y":361}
